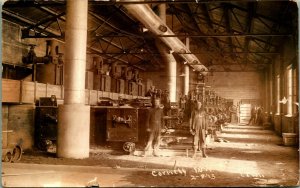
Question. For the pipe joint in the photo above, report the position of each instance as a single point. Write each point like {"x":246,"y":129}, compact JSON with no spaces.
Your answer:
{"x":182,"y":51}
{"x":195,"y":62}
{"x":163,"y":28}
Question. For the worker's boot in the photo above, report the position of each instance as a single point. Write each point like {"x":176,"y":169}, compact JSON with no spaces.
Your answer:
{"x":204,"y":153}
{"x":156,"y":153}
{"x":195,"y":153}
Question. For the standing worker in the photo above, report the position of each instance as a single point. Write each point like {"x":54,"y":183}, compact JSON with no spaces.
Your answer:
{"x":198,"y":128}
{"x":253,"y":115}
{"x":154,"y":122}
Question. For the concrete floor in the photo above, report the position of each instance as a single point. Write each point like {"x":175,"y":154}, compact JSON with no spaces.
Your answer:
{"x":252,"y":156}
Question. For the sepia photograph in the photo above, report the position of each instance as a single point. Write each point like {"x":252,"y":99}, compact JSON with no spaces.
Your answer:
{"x":150,"y":93}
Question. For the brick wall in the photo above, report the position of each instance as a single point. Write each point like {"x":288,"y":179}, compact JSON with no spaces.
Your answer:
{"x":237,"y":85}
{"x":160,"y":80}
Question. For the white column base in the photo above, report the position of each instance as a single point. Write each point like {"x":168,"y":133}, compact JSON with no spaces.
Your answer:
{"x":73,"y":140}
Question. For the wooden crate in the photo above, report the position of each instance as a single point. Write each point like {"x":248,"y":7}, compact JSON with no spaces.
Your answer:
{"x":27,"y":92}
{"x":105,"y":94}
{"x":115,"y":96}
{"x":93,"y":97}
{"x":40,"y":90}
{"x":11,"y":90}
{"x":99,"y":95}
{"x":54,"y":90}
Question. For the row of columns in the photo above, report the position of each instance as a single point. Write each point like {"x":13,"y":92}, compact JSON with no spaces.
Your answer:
{"x":171,"y":62}
{"x":74,"y":115}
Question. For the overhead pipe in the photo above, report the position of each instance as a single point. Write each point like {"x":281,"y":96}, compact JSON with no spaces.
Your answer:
{"x":152,"y":22}
{"x":168,"y":58}
{"x":186,"y":71}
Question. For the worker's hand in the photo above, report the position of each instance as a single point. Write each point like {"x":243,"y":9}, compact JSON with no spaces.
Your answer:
{"x":148,"y":129}
{"x":192,"y":131}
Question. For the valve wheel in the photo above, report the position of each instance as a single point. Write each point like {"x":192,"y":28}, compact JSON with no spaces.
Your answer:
{"x":129,"y":146}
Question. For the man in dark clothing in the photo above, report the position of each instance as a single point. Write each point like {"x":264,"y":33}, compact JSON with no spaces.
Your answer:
{"x":258,"y":118}
{"x":198,"y":128}
{"x":154,"y":125}
{"x":253,"y":115}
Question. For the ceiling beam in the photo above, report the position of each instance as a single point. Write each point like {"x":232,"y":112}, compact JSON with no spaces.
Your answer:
{"x":239,"y":64}
{"x":39,"y":28}
{"x":209,"y":21}
{"x":274,"y":20}
{"x":210,"y":52}
{"x":53,"y":13}
{"x":210,"y":36}
{"x":44,"y":21}
{"x":96,"y":51}
{"x":233,"y":35}
{"x":228,"y":26}
{"x":122,"y":32}
{"x":275,"y":28}
{"x":248,"y":27}
{"x":114,"y":2}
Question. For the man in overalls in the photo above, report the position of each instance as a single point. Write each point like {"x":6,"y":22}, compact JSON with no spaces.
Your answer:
{"x":198,"y":128}
{"x":154,"y":123}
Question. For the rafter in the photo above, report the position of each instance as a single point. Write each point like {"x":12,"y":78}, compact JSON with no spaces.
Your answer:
{"x":228,"y":26}
{"x":50,"y":32}
{"x":249,"y":24}
{"x":208,"y":20}
{"x":275,"y":28}
{"x":48,"y":20}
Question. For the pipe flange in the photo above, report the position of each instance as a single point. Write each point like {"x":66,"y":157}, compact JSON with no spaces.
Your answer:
{"x":163,"y":28}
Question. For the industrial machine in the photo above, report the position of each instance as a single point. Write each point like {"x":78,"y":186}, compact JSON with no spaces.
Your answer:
{"x":123,"y":124}
{"x":53,"y":56}
{"x":46,"y":122}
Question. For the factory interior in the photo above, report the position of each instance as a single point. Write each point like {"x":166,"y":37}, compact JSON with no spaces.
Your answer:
{"x":142,"y":93}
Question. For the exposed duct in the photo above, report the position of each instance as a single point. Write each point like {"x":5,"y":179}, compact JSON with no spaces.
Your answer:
{"x":152,"y":22}
{"x":168,"y":58}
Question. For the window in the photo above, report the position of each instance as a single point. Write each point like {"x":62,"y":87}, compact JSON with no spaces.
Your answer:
{"x":278,"y":94}
{"x":289,"y":91}
{"x":294,"y":94}
{"x":271,"y":90}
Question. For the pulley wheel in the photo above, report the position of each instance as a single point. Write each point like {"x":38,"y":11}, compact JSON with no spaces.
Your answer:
{"x":17,"y":154}
{"x":7,"y":157}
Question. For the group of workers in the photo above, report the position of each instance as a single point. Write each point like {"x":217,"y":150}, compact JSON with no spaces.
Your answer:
{"x":256,"y":115}
{"x":199,"y":119}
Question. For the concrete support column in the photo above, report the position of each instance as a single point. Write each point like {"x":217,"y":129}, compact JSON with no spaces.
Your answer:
{"x":267,"y":97}
{"x":172,"y":74}
{"x":187,"y":71}
{"x":169,"y":58}
{"x":186,"y":79}
{"x":74,"y":116}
